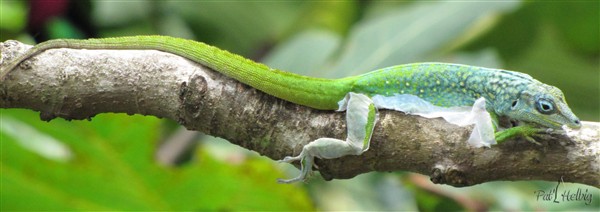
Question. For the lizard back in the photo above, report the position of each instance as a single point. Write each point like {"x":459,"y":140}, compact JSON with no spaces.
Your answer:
{"x":445,"y":84}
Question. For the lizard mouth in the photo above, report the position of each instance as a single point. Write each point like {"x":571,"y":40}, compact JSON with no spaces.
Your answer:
{"x":549,"y":123}
{"x":576,"y":124}
{"x":571,"y":122}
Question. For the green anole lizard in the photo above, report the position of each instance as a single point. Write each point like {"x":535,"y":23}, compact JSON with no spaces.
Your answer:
{"x":461,"y":94}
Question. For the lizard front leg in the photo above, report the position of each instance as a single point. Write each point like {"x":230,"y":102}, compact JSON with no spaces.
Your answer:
{"x":527,"y":132}
{"x":361,"y":116}
{"x":513,"y":129}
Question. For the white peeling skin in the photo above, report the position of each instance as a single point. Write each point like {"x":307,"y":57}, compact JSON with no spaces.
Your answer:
{"x":483,"y":132}
{"x":358,"y":108}
{"x":357,"y":118}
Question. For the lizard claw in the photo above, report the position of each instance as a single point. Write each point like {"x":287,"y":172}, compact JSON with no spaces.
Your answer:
{"x":532,"y":140}
{"x":289,"y":159}
{"x":306,"y":163}
{"x":547,"y":133}
{"x":555,"y":131}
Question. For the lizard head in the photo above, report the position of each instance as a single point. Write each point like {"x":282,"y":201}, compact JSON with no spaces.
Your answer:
{"x":543,"y":105}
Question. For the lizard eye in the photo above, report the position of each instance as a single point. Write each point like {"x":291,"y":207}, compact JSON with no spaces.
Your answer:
{"x":514,"y":104}
{"x":545,"y":106}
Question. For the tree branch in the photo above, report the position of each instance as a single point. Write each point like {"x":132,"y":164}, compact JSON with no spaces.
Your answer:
{"x":78,"y":84}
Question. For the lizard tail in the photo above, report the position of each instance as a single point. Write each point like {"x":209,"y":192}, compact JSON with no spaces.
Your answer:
{"x":313,"y":92}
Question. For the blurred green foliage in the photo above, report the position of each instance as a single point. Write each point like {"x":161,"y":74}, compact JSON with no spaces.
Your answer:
{"x":110,"y":166}
{"x":107,"y":163}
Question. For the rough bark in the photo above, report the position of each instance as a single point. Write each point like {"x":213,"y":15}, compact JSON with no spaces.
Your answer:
{"x":78,"y":84}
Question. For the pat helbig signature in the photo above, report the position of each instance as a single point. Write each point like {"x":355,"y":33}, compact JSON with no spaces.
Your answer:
{"x":565,"y":195}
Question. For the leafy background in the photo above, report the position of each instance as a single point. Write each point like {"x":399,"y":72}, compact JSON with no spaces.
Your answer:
{"x":109,"y":163}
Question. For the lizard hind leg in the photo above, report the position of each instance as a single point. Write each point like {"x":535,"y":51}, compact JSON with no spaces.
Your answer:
{"x":361,"y":116}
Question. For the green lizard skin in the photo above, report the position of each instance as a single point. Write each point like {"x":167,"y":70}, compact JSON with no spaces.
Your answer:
{"x":508,"y":94}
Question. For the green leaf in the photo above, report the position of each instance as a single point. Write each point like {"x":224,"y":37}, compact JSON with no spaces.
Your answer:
{"x":410,"y":33}
{"x":116,"y":13}
{"x":550,"y":62}
{"x":580,"y":31}
{"x":13,"y":15}
{"x":13,"y":18}
{"x":305,"y":53}
{"x":111,"y":167}
{"x":237,"y":26}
